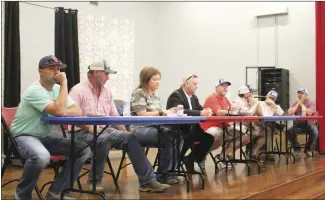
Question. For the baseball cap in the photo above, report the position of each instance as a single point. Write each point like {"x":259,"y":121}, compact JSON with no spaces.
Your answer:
{"x":243,"y":89}
{"x":303,"y":90}
{"x":188,"y":77}
{"x":50,"y":61}
{"x":101,"y":65}
{"x":273,"y":94}
{"x":222,"y":81}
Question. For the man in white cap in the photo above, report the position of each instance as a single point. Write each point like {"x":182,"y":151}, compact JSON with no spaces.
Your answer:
{"x":303,"y":106}
{"x":95,"y":98}
{"x":266,"y":108}
{"x":245,"y":105}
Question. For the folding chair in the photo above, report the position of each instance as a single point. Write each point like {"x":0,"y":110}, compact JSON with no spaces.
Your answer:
{"x":306,"y":133}
{"x":147,"y":147}
{"x":6,"y":119}
{"x":87,"y":170}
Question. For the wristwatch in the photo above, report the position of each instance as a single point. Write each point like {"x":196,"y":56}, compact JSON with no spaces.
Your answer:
{"x":161,"y":113}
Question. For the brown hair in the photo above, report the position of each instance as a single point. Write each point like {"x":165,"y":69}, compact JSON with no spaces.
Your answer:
{"x":145,"y":76}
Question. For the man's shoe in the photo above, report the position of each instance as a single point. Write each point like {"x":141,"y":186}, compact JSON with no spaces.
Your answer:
{"x":99,"y":188}
{"x":153,"y":186}
{"x":222,"y":165}
{"x":295,"y":154}
{"x":189,"y":164}
{"x":309,"y":153}
{"x":53,"y":196}
{"x":173,"y":181}
{"x":16,"y":197}
{"x":202,"y":166}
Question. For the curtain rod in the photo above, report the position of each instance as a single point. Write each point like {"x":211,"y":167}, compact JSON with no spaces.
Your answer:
{"x":37,"y":5}
{"x":42,"y":6}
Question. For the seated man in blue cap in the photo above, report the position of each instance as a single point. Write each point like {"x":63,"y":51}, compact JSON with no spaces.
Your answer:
{"x":303,"y":106}
{"x":266,"y":108}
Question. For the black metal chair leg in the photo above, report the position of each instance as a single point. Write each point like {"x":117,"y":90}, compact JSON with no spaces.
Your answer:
{"x":120,"y":166}
{"x":112,"y":172}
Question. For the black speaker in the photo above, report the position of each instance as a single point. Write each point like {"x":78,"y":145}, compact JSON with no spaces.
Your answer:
{"x":278,"y":79}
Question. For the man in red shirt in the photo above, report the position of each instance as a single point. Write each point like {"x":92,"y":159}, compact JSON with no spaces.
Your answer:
{"x":220,"y":106}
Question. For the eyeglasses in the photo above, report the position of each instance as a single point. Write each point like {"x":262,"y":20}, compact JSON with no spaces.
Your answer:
{"x":192,"y":76}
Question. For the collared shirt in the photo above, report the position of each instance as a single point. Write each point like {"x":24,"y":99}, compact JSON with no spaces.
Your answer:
{"x":188,"y":99}
{"x":242,"y":107}
{"x":84,"y":95}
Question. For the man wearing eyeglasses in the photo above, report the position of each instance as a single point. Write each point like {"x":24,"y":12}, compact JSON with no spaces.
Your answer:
{"x":186,"y":97}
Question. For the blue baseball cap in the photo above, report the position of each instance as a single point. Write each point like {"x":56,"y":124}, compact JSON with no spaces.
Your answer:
{"x":303,"y":90}
{"x":50,"y":61}
{"x":222,"y":81}
{"x":273,"y":94}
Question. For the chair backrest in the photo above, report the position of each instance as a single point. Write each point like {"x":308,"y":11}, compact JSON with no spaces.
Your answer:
{"x":8,"y":115}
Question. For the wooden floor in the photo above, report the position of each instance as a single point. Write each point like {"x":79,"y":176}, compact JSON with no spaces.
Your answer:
{"x":232,"y":185}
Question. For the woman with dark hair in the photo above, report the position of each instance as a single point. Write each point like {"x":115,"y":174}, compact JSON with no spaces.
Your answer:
{"x":145,"y":102}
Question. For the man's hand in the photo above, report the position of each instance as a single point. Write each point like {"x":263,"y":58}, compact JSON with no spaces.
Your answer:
{"x":165,"y":112}
{"x":61,"y":78}
{"x":206,"y":112}
{"x":269,"y":102}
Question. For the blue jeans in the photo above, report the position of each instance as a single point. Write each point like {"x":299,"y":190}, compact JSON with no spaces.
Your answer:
{"x":310,"y":129}
{"x":150,"y":135}
{"x":117,"y":139}
{"x":36,"y":151}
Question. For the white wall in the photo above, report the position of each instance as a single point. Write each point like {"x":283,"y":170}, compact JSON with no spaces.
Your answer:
{"x":210,"y":39}
{"x":37,"y":32}
{"x":219,"y":39}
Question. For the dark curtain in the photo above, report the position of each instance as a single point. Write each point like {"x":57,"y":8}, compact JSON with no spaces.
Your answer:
{"x":11,"y":86}
{"x":320,"y":70}
{"x":66,"y":43}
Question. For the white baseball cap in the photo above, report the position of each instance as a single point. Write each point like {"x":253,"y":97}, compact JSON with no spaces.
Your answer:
{"x":303,"y":90}
{"x":243,"y":89}
{"x":222,"y":81}
{"x":101,"y":65}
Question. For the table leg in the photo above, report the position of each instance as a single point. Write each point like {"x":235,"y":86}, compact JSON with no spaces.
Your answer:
{"x":72,"y":157}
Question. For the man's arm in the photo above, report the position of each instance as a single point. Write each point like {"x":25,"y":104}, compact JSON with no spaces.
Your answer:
{"x":293,"y":108}
{"x":311,"y":109}
{"x":174,"y":100}
{"x":59,"y":106}
{"x":73,"y":110}
{"x":38,"y":97}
